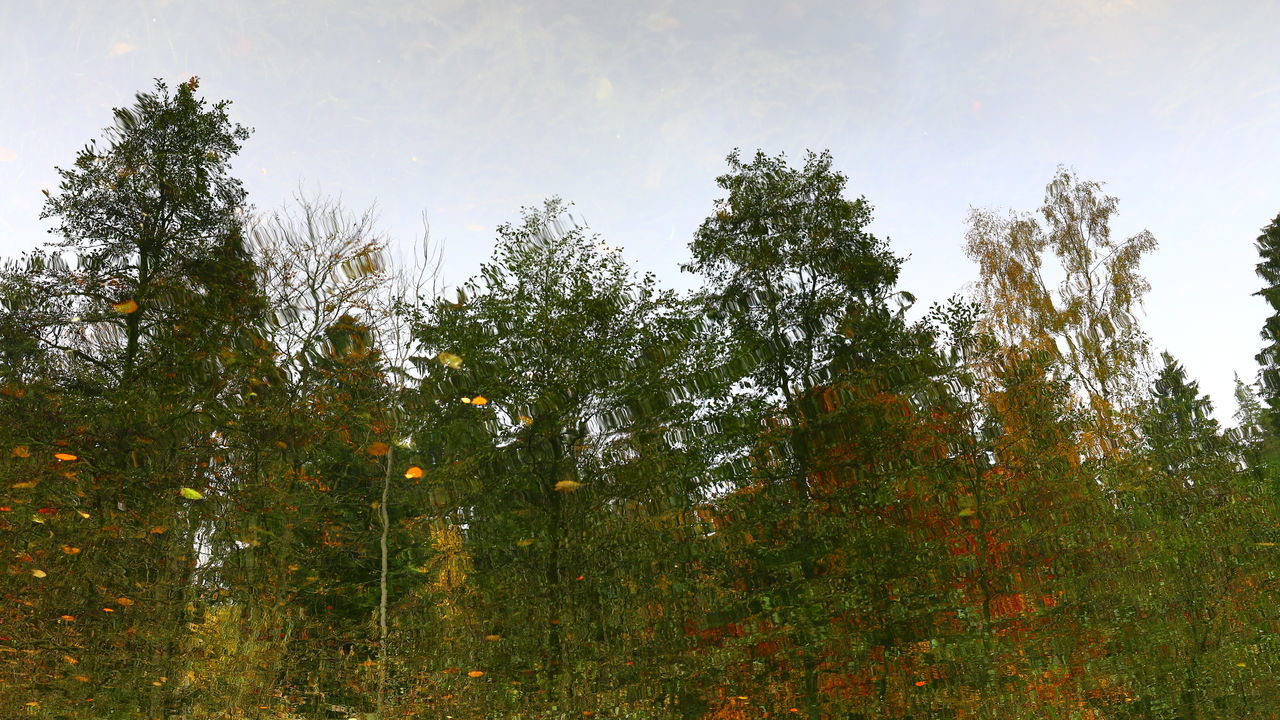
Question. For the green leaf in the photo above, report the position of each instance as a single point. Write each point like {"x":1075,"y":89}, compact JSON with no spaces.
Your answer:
{"x":190,"y":494}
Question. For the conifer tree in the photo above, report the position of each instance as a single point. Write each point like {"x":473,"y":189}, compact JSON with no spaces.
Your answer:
{"x":1268,"y":246}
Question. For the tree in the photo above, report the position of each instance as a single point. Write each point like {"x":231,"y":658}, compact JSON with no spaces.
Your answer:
{"x":1202,"y":532}
{"x":819,"y":362}
{"x":159,"y":324}
{"x":1268,"y":245}
{"x":1092,"y":312}
{"x":550,"y":427}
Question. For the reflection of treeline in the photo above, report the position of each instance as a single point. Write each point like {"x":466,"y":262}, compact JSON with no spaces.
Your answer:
{"x":252,"y":470}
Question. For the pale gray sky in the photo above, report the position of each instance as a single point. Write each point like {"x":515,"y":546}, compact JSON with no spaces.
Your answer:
{"x":469,"y":109}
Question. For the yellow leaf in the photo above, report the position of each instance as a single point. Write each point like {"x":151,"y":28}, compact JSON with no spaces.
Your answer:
{"x":125,"y":307}
{"x":475,"y":673}
{"x":413,"y":472}
{"x":524,"y":542}
{"x":466,"y":401}
{"x":124,"y":601}
{"x":190,"y":494}
{"x":450,"y":360}
{"x":70,"y":550}
{"x":567,"y":486}
{"x":39,"y":573}
{"x":526,"y":419}
{"x":21,"y":451}
{"x":80,"y":678}
{"x":1265,"y":544}
{"x":493,"y":638}
{"x":378,"y":449}
{"x":159,"y":530}
{"x":65,"y":457}
{"x":25,"y":485}
{"x":82,"y":513}
{"x":69,"y":659}
{"x":967,"y":512}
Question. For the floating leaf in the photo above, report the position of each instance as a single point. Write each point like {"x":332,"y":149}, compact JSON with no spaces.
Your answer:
{"x":567,"y":486}
{"x":190,"y":494}
{"x":450,"y":360}
{"x":65,"y":457}
{"x":413,"y":472}
{"x":378,"y":449}
{"x":21,"y":451}
{"x":125,"y":307}
{"x":39,"y":573}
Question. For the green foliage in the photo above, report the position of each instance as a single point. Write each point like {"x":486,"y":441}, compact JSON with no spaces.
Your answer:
{"x":247,"y":472}
{"x":1268,"y":246}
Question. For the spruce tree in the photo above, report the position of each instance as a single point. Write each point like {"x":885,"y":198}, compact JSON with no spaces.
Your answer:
{"x":1268,"y":245}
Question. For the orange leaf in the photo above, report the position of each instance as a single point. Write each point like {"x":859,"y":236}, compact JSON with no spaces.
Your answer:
{"x":125,"y":307}
{"x":21,"y":451}
{"x":68,"y":618}
{"x":479,"y":400}
{"x":413,"y":472}
{"x":124,"y":601}
{"x":475,"y":673}
{"x":378,"y":449}
{"x":65,"y":457}
{"x":70,"y":550}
